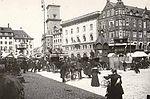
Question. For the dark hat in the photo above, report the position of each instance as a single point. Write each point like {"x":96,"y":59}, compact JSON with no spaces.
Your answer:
{"x":114,"y":70}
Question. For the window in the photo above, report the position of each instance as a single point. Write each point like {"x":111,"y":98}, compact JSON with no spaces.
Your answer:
{"x":144,"y":24}
{"x":10,"y":37}
{"x":71,"y":31}
{"x":84,"y":38}
{"x":9,"y":33}
{"x":111,"y":34}
{"x":117,"y":33}
{"x":148,"y":35}
{"x":120,"y":22}
{"x":84,"y":28}
{"x":111,"y":24}
{"x":54,"y":16}
{"x":77,"y":29}
{"x":91,"y":26}
{"x":117,"y":22}
{"x":140,"y":34}
{"x":123,"y":22}
{"x":72,"y":40}
{"x":78,"y":39}
{"x":66,"y":32}
{"x":1,"y":42}
{"x":140,"y":23}
{"x":0,"y":37}
{"x":30,"y":46}
{"x":127,"y":22}
{"x":134,"y":34}
{"x":85,"y":46}
{"x":91,"y":37}
{"x":5,"y":37}
{"x":134,"y":22}
{"x":10,"y":42}
{"x":104,"y":14}
{"x":117,"y":12}
{"x":5,"y":42}
{"x":128,"y":34}
{"x":112,"y":12}
{"x":108,"y":13}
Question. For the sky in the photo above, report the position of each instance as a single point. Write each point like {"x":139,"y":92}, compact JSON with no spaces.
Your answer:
{"x":28,"y":14}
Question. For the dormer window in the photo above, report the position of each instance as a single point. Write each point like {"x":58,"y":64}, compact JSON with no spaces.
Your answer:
{"x":137,"y":13}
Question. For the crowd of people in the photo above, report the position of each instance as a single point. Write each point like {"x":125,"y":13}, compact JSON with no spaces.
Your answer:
{"x":70,"y":68}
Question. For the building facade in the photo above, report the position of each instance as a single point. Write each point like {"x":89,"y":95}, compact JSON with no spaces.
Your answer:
{"x":80,"y":33}
{"x":53,"y":37}
{"x":12,"y":40}
{"x":126,"y":28}
{"x":6,"y":39}
{"x":22,"y":41}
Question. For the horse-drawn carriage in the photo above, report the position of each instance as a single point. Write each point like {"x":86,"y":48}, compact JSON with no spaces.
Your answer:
{"x":55,"y":62}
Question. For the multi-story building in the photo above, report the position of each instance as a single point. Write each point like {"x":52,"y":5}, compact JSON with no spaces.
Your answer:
{"x":80,"y":33}
{"x":53,"y":38}
{"x":126,"y":28}
{"x":6,"y":39}
{"x":22,"y":41}
{"x":12,"y":40}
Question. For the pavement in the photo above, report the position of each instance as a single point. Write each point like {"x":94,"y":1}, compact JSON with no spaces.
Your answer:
{"x":39,"y":87}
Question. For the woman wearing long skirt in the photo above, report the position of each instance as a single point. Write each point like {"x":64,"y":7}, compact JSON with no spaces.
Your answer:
{"x":95,"y":80}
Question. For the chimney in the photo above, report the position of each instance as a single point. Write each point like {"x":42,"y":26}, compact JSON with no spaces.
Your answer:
{"x":8,"y":25}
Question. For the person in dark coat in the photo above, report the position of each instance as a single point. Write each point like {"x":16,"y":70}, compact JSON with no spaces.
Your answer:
{"x":114,"y":89}
{"x":124,"y":66}
{"x":87,"y":69}
{"x":136,"y":67}
{"x":79,"y":69}
{"x":95,"y":80}
{"x":63,"y":71}
{"x":24,"y":65}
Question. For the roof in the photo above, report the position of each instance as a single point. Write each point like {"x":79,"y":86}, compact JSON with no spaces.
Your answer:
{"x":50,"y":5}
{"x":80,"y":19}
{"x":132,"y":9}
{"x":5,"y":29}
{"x":101,"y":39}
{"x":113,"y":4}
{"x":20,"y":34}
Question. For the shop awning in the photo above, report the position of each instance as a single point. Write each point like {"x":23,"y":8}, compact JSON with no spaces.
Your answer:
{"x":139,"y":54}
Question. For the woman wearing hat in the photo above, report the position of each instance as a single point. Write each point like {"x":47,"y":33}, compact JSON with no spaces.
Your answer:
{"x":95,"y":80}
{"x":114,"y":90}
